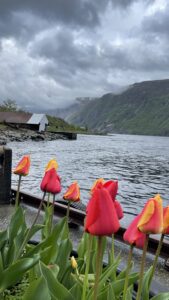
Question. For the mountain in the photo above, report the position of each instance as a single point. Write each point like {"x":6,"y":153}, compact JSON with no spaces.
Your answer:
{"x":141,"y":109}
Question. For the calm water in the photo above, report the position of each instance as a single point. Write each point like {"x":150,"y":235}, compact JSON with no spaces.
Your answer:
{"x":139,"y":163}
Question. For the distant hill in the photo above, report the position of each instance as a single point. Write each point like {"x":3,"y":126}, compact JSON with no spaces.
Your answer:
{"x":142,"y":109}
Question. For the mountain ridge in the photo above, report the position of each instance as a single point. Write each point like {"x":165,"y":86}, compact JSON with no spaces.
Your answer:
{"x":141,"y":109}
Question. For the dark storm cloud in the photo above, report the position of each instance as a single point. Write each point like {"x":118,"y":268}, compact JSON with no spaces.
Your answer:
{"x":157,"y":24}
{"x":56,"y":50}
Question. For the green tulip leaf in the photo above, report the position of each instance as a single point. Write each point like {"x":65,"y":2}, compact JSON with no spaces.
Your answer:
{"x":3,"y":238}
{"x":38,"y":290}
{"x":162,"y":296}
{"x":76,"y":291}
{"x":17,"y":224}
{"x":14,"y":273}
{"x":103,"y":278}
{"x":146,"y":283}
{"x":57,"y":290}
{"x":118,"y":285}
{"x":62,"y":260}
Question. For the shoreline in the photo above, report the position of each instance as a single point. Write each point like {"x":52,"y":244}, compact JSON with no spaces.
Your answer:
{"x":9,"y":134}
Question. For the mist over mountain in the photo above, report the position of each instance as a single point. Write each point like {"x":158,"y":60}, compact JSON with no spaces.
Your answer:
{"x":141,"y":109}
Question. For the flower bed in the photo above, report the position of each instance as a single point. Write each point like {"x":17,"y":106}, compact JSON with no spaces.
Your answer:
{"x":49,"y":271}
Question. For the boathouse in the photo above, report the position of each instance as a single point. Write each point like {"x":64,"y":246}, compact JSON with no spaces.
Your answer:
{"x":36,"y":122}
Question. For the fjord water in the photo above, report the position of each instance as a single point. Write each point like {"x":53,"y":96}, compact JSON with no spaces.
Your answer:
{"x":139,"y":163}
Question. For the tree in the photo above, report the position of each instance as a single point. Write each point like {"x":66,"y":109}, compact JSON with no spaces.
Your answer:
{"x":8,"y":105}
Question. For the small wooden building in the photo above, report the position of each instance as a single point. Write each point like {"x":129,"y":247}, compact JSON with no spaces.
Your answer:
{"x":36,"y":122}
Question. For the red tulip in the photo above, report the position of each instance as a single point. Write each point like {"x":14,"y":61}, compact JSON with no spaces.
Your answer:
{"x":101,"y":216}
{"x":118,"y":209}
{"x":166,"y":220}
{"x":151,"y":220}
{"x":73,"y":193}
{"x":23,"y":166}
{"x":112,"y":187}
{"x":133,"y":236}
{"x":51,"y":182}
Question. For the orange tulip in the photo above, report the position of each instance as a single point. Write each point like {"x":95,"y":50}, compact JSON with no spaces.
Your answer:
{"x":151,"y":220}
{"x":166,"y":220}
{"x":23,"y":166}
{"x":97,"y":183}
{"x":51,"y":164}
{"x":133,"y":236}
{"x":73,"y":193}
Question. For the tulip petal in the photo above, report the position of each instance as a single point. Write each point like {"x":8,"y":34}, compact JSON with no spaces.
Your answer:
{"x":73,"y":193}
{"x":101,"y":218}
{"x":151,"y":221}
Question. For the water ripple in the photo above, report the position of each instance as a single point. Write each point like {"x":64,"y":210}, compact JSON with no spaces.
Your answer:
{"x":139,"y":163}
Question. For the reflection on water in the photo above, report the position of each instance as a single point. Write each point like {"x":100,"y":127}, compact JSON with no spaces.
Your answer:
{"x":139,"y":163}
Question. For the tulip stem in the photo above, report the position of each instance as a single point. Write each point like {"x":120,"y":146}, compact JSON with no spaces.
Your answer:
{"x":48,"y":202}
{"x":17,"y":193}
{"x":142,"y":268}
{"x":127,"y":271}
{"x":85,"y":284}
{"x":68,"y":210}
{"x":29,"y":230}
{"x":98,"y":266}
{"x":157,"y":255}
{"x":112,"y":249}
{"x":53,"y":208}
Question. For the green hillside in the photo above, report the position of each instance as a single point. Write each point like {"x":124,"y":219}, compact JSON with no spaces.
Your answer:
{"x":142,"y":109}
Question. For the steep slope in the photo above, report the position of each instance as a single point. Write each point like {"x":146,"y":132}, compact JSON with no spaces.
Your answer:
{"x":142,"y":109}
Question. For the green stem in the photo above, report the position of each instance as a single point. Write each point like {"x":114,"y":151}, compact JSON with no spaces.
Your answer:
{"x":98,"y":266}
{"x":112,"y":249}
{"x":17,"y":193}
{"x":85,"y":284}
{"x":68,"y":210}
{"x":157,"y":255}
{"x":34,"y":222}
{"x":127,"y":271}
{"x":53,"y":208}
{"x":48,"y":202}
{"x":142,"y":269}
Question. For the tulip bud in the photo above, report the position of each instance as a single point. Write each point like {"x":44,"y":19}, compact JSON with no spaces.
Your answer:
{"x":23,"y":166}
{"x":166,"y":220}
{"x":73,"y":262}
{"x":101,"y":216}
{"x":51,"y":164}
{"x":51,"y":182}
{"x":97,"y":183}
{"x":151,"y":220}
{"x":73,"y":193}
{"x":133,"y":236}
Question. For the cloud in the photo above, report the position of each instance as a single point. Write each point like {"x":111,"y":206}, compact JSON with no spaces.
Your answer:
{"x":54,"y":51}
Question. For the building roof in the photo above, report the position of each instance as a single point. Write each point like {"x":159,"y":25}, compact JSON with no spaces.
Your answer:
{"x":36,"y":119}
{"x":20,"y":117}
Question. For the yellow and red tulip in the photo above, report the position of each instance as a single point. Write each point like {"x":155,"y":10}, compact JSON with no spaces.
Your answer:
{"x":151,"y":219}
{"x":23,"y":166}
{"x":51,"y":182}
{"x":73,"y":193}
{"x":165,"y":220}
{"x":133,"y":236}
{"x":51,"y":164}
{"x":97,"y":183}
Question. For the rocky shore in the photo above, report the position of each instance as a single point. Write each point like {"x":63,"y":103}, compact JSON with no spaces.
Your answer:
{"x":19,"y":135}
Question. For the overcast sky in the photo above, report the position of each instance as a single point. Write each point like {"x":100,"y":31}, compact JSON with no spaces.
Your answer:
{"x":52,"y":51}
